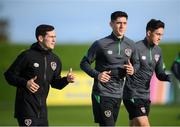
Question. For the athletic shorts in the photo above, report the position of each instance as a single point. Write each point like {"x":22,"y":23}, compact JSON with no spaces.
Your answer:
{"x":32,"y":122}
{"x":105,"y":110}
{"x":137,"y":107}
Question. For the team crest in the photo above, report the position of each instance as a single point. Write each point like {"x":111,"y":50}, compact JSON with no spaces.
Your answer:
{"x":53,"y":66}
{"x":143,"y":110}
{"x":128,"y":52}
{"x":27,"y":122}
{"x":156,"y":57}
{"x":107,"y":113}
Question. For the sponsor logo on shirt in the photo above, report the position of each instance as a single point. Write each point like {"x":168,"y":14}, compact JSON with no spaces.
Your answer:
{"x":109,"y":52}
{"x":36,"y":65}
{"x":143,"y":57}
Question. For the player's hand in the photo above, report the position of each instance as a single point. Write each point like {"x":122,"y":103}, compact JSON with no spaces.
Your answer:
{"x":32,"y":86}
{"x":70,"y":76}
{"x":129,"y":68}
{"x":104,"y":76}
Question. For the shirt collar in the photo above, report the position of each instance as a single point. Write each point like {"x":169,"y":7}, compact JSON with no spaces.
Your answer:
{"x":116,"y":38}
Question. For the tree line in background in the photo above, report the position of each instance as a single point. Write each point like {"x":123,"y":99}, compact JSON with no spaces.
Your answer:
{"x":4,"y":24}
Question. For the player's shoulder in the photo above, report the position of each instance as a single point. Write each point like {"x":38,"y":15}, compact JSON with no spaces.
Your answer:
{"x":54,"y":56}
{"x":140,"y":45}
{"x":139,"y":42}
{"x":100,"y":42}
{"x":24,"y":52}
{"x":104,"y":39}
{"x":128,"y":40}
{"x":158,"y":49}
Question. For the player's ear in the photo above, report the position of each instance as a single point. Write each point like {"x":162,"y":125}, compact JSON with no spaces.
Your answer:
{"x":148,"y":33}
{"x":40,"y":38}
{"x":111,"y":24}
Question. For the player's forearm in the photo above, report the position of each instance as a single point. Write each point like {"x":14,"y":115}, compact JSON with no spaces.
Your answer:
{"x":14,"y":80}
{"x":85,"y":66}
{"x":59,"y":83}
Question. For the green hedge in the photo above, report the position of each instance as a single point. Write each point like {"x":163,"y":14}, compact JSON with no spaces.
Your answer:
{"x":72,"y":54}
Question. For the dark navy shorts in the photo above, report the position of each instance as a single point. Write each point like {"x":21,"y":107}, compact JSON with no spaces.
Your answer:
{"x":32,"y":121}
{"x":105,"y":110}
{"x":137,"y":107}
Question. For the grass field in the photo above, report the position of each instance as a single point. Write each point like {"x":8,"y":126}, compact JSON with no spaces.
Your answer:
{"x":163,"y":115}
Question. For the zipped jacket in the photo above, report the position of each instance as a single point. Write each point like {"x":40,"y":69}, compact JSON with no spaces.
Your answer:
{"x":39,"y":62}
{"x":110,"y":54}
{"x":151,"y":60}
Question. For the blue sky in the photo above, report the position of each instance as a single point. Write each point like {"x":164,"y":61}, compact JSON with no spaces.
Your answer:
{"x":81,"y":21}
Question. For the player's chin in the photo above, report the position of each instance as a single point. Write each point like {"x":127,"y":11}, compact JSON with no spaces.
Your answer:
{"x":121,"y":33}
{"x":156,"y":43}
{"x":51,"y":47}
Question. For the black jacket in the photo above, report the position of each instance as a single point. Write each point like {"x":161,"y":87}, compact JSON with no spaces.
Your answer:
{"x":34,"y":62}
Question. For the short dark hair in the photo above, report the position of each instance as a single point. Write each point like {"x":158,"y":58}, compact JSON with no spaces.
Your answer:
{"x":42,"y":29}
{"x":154,"y":24}
{"x":117,"y":14}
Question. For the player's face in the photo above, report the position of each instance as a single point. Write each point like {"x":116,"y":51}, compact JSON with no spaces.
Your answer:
{"x":119,"y":26}
{"x":49,"y":40}
{"x":156,"y":35}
